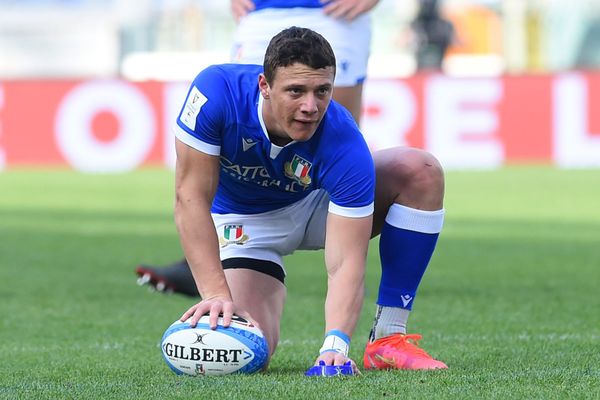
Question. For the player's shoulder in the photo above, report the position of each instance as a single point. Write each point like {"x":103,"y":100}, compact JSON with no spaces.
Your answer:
{"x":340,"y":137}
{"x":229,"y":84}
{"x":219,"y":73}
{"x":339,"y":124}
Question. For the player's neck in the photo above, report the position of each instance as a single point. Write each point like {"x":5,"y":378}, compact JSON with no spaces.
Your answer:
{"x":279,"y":141}
{"x":276,"y":135}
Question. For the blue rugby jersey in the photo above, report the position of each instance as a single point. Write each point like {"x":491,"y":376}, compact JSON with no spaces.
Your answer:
{"x":222,"y":116}
{"x":260,"y":4}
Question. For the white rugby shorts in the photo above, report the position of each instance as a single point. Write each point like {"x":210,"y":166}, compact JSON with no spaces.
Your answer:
{"x":274,"y":234}
{"x":350,"y":40}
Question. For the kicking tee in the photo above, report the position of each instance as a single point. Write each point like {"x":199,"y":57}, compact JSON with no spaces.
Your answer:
{"x":222,"y":116}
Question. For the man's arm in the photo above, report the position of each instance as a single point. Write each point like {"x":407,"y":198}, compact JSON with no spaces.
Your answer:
{"x":346,"y":244}
{"x":196,"y":178}
{"x":347,"y":9}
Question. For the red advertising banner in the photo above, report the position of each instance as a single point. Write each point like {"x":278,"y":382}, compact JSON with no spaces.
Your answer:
{"x":115,"y":125}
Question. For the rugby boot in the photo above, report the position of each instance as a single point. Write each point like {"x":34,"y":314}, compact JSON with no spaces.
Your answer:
{"x":174,"y":278}
{"x":399,"y":351}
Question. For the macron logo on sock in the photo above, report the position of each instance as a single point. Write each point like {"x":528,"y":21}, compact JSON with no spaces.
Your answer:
{"x":406,"y":299}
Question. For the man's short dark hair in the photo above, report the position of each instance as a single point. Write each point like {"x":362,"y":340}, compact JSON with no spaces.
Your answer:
{"x":297,"y":45}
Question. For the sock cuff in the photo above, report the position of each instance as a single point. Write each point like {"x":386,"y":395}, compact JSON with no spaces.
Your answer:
{"x":412,"y":219}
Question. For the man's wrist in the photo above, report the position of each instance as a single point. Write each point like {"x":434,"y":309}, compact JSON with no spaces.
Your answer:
{"x":336,"y":341}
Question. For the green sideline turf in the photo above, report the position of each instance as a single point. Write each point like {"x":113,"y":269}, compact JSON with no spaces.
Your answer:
{"x":511,"y":301}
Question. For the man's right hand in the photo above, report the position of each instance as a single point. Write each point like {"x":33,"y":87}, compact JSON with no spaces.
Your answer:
{"x":215,"y":307}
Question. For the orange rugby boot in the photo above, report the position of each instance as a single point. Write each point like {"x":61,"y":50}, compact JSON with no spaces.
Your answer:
{"x":399,"y":352}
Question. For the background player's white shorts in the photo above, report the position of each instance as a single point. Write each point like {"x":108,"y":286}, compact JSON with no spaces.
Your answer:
{"x":350,"y":40}
{"x":274,"y":234}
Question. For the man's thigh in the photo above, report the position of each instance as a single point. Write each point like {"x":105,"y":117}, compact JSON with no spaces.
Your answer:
{"x":261,"y":295}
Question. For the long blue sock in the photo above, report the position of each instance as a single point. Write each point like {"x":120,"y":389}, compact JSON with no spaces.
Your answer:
{"x":407,"y":242}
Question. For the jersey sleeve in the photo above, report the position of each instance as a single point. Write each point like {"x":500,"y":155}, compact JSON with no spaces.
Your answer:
{"x":201,"y":119}
{"x":350,"y":181}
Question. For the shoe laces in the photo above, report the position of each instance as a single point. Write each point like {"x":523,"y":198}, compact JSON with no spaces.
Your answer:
{"x":408,"y":343}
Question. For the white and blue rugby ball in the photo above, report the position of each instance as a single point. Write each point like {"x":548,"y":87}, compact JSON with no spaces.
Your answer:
{"x":239,"y":348}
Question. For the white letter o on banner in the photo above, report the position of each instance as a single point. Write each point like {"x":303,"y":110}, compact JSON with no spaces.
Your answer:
{"x":76,"y":140}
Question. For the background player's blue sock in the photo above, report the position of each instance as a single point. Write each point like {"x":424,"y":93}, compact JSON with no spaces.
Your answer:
{"x":407,"y":242}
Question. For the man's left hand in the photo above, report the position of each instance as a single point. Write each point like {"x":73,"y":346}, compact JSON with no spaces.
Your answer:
{"x":335,"y":358}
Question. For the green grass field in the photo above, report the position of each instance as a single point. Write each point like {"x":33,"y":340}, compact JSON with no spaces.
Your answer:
{"x":511,"y":301}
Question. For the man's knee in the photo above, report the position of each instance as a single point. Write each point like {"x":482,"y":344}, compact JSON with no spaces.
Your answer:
{"x":409,"y":176}
{"x":425,"y":169}
{"x":409,"y":165}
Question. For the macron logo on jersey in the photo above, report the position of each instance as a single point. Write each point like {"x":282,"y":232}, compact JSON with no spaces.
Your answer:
{"x":247,"y":144}
{"x":193,"y":104}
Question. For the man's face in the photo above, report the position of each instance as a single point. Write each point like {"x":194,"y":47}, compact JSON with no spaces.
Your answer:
{"x":297,"y":100}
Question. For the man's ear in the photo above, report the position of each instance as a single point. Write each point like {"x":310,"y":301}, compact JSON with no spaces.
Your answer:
{"x":263,"y":86}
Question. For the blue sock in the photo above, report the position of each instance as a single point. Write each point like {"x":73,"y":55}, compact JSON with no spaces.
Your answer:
{"x":407,"y":242}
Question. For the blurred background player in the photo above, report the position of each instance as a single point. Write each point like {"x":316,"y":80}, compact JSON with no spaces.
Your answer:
{"x":433,"y":34}
{"x":346,"y":24}
{"x":323,"y":190}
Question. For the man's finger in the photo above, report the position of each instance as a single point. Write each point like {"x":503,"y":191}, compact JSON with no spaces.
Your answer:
{"x":215,"y":310}
{"x":227,"y":314}
{"x":188,"y":313}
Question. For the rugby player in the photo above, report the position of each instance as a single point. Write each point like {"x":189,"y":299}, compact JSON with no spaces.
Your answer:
{"x":267,"y":164}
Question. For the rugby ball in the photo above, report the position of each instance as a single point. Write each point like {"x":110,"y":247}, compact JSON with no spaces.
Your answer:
{"x":239,"y":348}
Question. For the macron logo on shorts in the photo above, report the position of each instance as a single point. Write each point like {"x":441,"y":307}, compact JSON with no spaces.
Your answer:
{"x":193,"y":104}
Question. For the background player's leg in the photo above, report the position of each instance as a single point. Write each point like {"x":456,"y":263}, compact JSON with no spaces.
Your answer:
{"x":262,"y":296}
{"x":173,"y":278}
{"x":351,"y":98}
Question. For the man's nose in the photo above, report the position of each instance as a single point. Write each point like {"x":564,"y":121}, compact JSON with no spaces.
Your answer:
{"x":309,"y":105}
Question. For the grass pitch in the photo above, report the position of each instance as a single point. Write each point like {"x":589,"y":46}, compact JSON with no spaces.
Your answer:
{"x":511,"y":301}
